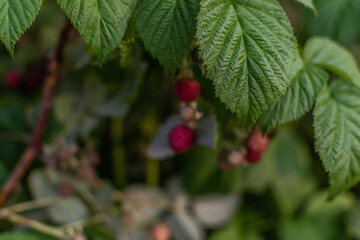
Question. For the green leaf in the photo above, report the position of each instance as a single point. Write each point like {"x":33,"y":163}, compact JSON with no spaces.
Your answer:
{"x":337,"y":134}
{"x":236,"y":230}
{"x":336,"y":19}
{"x":328,"y":54}
{"x":18,"y":236}
{"x":289,"y":178}
{"x":309,"y":4}
{"x":15,"y":18}
{"x":204,"y":176}
{"x":68,"y":210}
{"x":167,"y":28}
{"x":353,"y":221}
{"x":298,"y":99}
{"x":101,"y":23}
{"x":320,"y":220}
{"x":249,"y":49}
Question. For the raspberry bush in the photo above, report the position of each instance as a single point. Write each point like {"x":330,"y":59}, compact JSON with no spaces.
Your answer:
{"x":179,"y":119}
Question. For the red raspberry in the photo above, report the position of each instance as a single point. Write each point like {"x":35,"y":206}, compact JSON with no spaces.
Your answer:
{"x":181,"y":138}
{"x":12,"y":78}
{"x":187,"y":90}
{"x":160,"y":232}
{"x":253,"y":157}
{"x":256,"y":142}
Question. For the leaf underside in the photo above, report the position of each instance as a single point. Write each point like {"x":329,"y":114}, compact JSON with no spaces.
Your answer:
{"x":167,"y":28}
{"x":248,"y":49}
{"x":337,"y":134}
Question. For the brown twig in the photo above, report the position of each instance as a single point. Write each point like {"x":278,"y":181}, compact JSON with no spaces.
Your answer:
{"x":47,"y":96}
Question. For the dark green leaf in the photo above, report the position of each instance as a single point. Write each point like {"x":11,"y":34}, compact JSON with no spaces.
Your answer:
{"x":167,"y":28}
{"x":15,"y":18}
{"x":101,"y":23}
{"x":249,"y":49}
{"x":298,"y":99}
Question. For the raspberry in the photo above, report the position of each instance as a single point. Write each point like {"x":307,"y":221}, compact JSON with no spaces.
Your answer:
{"x":160,"y":232}
{"x":256,"y":142}
{"x":181,"y":138}
{"x":253,"y":157}
{"x":12,"y":78}
{"x":187,"y":90}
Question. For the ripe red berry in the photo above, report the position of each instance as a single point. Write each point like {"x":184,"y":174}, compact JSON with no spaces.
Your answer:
{"x":187,"y":90}
{"x":181,"y":138}
{"x":12,"y":78}
{"x":253,"y":157}
{"x":256,"y":142}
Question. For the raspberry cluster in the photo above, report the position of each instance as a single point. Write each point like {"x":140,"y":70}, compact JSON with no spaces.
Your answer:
{"x":182,"y":137}
{"x":256,"y":145}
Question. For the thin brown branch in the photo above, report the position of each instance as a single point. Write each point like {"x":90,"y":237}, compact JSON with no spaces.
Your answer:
{"x":47,"y":96}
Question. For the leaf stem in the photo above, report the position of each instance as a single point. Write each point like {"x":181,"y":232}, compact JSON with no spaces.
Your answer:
{"x":118,"y":152}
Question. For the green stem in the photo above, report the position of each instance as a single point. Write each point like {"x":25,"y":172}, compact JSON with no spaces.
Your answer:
{"x":152,"y":174}
{"x":118,"y":152}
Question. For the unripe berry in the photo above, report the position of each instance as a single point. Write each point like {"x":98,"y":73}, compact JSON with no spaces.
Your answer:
{"x":253,"y":157}
{"x":160,"y":232}
{"x":181,"y":138}
{"x":256,"y":142}
{"x":187,"y":113}
{"x":228,"y":159}
{"x":187,"y":90}
{"x":12,"y":78}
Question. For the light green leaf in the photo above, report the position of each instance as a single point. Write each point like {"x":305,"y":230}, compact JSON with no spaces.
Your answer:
{"x":15,"y":18}
{"x":320,"y":219}
{"x":328,"y":54}
{"x":101,"y":23}
{"x":337,"y":134}
{"x":249,"y":49}
{"x":167,"y":28}
{"x":298,"y":99}
{"x":199,"y":180}
{"x":286,"y":169}
{"x":68,"y":210}
{"x":236,"y":230}
{"x":353,"y":221}
{"x":18,"y":236}
{"x":309,"y":4}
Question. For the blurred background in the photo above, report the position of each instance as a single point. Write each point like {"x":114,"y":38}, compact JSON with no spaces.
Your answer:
{"x":95,"y":150}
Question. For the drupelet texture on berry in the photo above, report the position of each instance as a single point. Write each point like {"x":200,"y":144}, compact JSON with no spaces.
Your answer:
{"x":256,"y":142}
{"x":187,"y":90}
{"x":181,"y":138}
